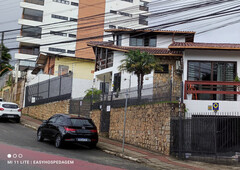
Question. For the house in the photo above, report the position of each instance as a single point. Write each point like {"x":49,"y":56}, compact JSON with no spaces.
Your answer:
{"x":156,"y":42}
{"x":209,"y":72}
{"x":56,"y":65}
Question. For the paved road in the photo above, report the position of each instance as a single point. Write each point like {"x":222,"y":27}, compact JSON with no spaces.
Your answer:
{"x":20,"y":140}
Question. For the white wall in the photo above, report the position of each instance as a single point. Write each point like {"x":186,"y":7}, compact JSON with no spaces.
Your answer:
{"x":201,"y":106}
{"x":211,"y":55}
{"x":163,"y":41}
{"x":80,"y":86}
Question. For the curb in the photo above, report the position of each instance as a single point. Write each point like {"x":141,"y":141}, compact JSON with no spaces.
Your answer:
{"x":27,"y":125}
{"x":122,"y":155}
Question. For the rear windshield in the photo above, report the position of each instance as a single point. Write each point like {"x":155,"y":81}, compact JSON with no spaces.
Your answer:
{"x":10,"y":106}
{"x":81,"y":122}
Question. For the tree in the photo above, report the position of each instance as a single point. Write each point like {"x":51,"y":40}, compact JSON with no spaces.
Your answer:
{"x":139,"y":63}
{"x":4,"y":60}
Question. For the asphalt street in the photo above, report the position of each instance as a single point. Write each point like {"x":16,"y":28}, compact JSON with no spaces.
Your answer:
{"x":17,"y":139}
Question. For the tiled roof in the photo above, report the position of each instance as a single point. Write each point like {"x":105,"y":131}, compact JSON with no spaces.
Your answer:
{"x":191,"y":45}
{"x":151,"y":30}
{"x":150,"y":50}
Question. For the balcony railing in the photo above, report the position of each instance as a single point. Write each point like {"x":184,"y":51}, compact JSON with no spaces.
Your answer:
{"x":37,"y":2}
{"x":29,"y":51}
{"x":211,"y":87}
{"x":33,"y":18}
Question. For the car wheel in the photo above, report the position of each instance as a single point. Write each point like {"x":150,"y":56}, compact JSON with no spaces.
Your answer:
{"x":58,"y":141}
{"x":17,"y":120}
{"x":39,"y":136}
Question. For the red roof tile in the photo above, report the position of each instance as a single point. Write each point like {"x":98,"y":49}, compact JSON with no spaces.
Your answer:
{"x":191,"y":45}
{"x":150,"y":50}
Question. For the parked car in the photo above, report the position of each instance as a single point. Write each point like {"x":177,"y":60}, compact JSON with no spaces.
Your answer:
{"x":10,"y":110}
{"x":62,"y":129}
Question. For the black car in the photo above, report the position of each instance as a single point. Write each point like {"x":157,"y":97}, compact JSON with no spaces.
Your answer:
{"x":64,"y":128}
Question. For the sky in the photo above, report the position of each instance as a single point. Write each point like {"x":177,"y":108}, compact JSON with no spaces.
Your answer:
{"x":10,"y":12}
{"x":224,"y":29}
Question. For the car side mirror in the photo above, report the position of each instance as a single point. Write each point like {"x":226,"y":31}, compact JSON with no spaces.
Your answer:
{"x":45,"y":121}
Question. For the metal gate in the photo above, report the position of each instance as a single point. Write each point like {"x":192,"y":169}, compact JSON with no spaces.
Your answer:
{"x":205,"y":134}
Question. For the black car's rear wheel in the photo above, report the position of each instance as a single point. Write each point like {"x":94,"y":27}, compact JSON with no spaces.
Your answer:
{"x":58,"y":141}
{"x":39,"y":135}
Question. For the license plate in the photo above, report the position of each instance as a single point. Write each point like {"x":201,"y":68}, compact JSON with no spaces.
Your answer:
{"x":10,"y":116}
{"x":82,"y":139}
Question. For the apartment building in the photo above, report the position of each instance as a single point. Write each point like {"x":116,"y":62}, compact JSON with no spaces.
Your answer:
{"x":45,"y":25}
{"x":98,"y":15}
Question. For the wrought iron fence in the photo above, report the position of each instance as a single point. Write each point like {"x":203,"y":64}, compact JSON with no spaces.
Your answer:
{"x":150,"y":93}
{"x":54,"y":89}
{"x":201,"y":134}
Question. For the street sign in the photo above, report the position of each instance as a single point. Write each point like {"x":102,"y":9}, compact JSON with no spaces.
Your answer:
{"x":215,"y":107}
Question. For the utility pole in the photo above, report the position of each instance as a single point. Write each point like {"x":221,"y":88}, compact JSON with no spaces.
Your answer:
{"x":1,"y":50}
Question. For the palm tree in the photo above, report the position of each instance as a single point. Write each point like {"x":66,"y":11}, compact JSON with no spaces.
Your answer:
{"x":139,"y":63}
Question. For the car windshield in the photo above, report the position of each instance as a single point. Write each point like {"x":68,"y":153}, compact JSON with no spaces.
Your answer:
{"x":10,"y":106}
{"x":81,"y":122}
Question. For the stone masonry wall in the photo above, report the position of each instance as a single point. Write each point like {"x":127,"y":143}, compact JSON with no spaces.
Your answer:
{"x":147,"y":126}
{"x":45,"y":111}
{"x":96,"y":116}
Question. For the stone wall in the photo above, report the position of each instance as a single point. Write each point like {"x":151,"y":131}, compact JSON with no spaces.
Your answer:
{"x":45,"y":111}
{"x":96,"y":117}
{"x":147,"y":126}
{"x":164,"y":78}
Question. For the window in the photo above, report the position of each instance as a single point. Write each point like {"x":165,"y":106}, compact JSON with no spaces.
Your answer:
{"x":125,"y":14}
{"x":113,"y":11}
{"x":73,"y":19}
{"x":10,"y":106}
{"x":146,"y":40}
{"x":72,"y":35}
{"x":38,"y":2}
{"x":119,"y":40}
{"x":112,"y":26}
{"x":32,"y":14}
{"x":52,"y":119}
{"x":74,"y":3}
{"x":60,"y":120}
{"x":59,"y":17}
{"x":143,"y":5}
{"x":164,"y":68}
{"x":29,"y":31}
{"x":212,"y":71}
{"x":58,"y":33}
{"x":62,"y":1}
{"x":104,"y":87}
{"x":143,"y":19}
{"x":71,"y":51}
{"x":128,"y":1}
{"x":62,"y":69}
{"x":57,"y":49}
{"x":117,"y":82}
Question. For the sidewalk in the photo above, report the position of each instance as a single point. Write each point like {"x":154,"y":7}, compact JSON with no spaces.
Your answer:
{"x":156,"y":160}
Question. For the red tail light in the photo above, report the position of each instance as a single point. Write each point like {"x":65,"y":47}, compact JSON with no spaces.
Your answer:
{"x":19,"y":110}
{"x":1,"y":109}
{"x":69,"y":129}
{"x":93,"y":131}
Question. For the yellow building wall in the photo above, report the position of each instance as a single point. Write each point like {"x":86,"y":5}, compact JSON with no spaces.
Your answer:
{"x":82,"y":69}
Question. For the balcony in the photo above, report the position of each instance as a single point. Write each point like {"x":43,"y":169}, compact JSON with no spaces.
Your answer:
{"x":33,"y":18}
{"x":37,"y":2}
{"x":211,"y":90}
{"x":30,"y":51}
